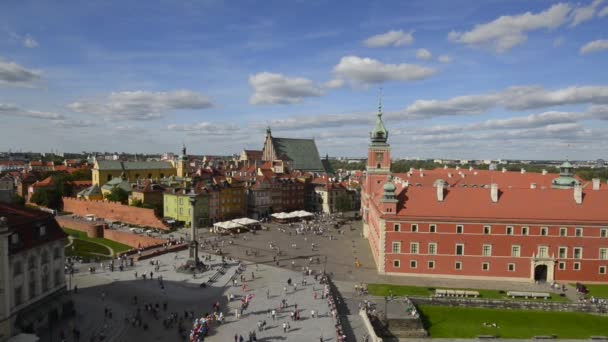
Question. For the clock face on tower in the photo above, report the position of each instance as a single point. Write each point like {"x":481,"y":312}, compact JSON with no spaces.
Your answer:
{"x":379,"y":157}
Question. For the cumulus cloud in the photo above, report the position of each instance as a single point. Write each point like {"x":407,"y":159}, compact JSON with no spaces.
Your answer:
{"x":207,"y":128}
{"x":369,"y":71}
{"x":13,"y":74}
{"x":333,"y":84}
{"x":444,"y":59}
{"x":594,"y":46}
{"x":29,"y":42}
{"x":603,"y":12}
{"x":319,"y":121}
{"x":269,"y":88}
{"x":507,"y":31}
{"x":586,"y":13}
{"x":75,"y":123}
{"x":141,"y":105}
{"x":11,"y":110}
{"x":513,"y":98}
{"x":390,"y":38}
{"x":424,"y":54}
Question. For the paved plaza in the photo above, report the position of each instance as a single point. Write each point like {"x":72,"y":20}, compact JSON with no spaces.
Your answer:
{"x":337,"y":254}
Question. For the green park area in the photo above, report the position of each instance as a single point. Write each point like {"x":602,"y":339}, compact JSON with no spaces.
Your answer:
{"x":400,"y":290}
{"x":86,"y":247}
{"x":597,"y":291}
{"x":456,"y":322}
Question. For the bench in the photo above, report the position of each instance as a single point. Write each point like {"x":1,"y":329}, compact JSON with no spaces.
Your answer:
{"x":486,"y":337}
{"x":523,"y":294}
{"x":545,"y":337}
{"x":599,"y":338}
{"x":456,"y":293}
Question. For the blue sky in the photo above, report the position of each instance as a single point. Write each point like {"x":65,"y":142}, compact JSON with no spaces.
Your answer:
{"x":460,"y":79}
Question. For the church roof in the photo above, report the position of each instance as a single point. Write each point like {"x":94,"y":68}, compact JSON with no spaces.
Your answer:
{"x":120,"y":165}
{"x":303,"y":153}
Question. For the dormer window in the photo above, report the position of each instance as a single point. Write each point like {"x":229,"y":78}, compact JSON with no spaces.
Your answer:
{"x":42,"y":230}
{"x":15,"y":239}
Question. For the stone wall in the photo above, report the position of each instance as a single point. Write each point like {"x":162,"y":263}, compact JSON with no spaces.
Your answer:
{"x":368,"y":326}
{"x":133,"y":240}
{"x":506,"y":304}
{"x":94,"y":229}
{"x":113,"y":211}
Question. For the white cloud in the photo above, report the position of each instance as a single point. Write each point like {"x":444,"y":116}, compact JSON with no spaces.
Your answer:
{"x":141,"y":105}
{"x":319,"y":121}
{"x":29,"y":42}
{"x":13,"y":74}
{"x":368,"y":71}
{"x":423,"y":54}
{"x":582,"y":14}
{"x":603,"y":12}
{"x":444,"y":59}
{"x":333,"y":84}
{"x":594,"y":46}
{"x":75,"y":123}
{"x":11,"y":110}
{"x":207,"y":128}
{"x":390,"y":38}
{"x":269,"y":88}
{"x":507,"y":31}
{"x":513,"y":98}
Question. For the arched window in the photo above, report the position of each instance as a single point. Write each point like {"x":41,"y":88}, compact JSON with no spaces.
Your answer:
{"x":109,"y":178}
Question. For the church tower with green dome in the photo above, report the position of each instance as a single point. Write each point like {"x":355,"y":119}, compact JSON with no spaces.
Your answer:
{"x":182,"y":163}
{"x":566,"y":178}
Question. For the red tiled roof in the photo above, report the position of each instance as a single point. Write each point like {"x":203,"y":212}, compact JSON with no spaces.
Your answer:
{"x":26,"y":223}
{"x":479,"y":177}
{"x":514,"y":204}
{"x":12,"y":162}
{"x":48,"y":181}
{"x":253,"y":154}
{"x":82,"y":183}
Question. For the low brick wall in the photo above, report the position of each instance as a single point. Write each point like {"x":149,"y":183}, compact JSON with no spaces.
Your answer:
{"x":113,"y":211}
{"x":94,"y":229}
{"x":506,"y":304}
{"x":133,"y":240}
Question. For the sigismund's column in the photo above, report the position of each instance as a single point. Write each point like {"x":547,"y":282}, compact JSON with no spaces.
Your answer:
{"x":193,"y":260}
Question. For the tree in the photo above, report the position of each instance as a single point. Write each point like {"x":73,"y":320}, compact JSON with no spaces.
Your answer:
{"x":118,"y":195}
{"x":17,"y":200}
{"x":81,"y":174}
{"x":137,"y":203}
{"x":343,"y":202}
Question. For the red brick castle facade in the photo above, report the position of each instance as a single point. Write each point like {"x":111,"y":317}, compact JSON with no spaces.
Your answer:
{"x":465,"y":223}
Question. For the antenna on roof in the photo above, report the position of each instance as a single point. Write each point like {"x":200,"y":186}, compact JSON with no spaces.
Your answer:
{"x":380,"y":100}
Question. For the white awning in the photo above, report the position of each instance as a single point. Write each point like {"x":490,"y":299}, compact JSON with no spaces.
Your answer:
{"x":24,"y":338}
{"x":227,"y":225}
{"x":303,"y":213}
{"x":245,"y":221}
{"x":280,"y":216}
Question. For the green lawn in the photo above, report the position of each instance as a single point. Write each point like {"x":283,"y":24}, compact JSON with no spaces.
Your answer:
{"x":599,"y":291}
{"x":117,"y":247}
{"x":468,"y":323}
{"x":398,"y":290}
{"x":87,"y":249}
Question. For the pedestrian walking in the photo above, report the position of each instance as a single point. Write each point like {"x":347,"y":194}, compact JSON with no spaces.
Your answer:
{"x":267,"y":293}
{"x":284,"y":327}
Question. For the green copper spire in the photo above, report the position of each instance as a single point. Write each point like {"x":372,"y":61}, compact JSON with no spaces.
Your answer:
{"x":379,"y":134}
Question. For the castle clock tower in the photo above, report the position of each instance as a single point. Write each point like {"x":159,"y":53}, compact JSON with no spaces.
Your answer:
{"x":378,"y":153}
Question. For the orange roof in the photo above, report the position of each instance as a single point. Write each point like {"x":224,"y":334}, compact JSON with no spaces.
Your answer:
{"x":82,"y":183}
{"x":479,"y":178}
{"x":514,"y":204}
{"x":48,"y":181}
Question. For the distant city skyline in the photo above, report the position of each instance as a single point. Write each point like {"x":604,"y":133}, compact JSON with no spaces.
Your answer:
{"x":469,"y":79}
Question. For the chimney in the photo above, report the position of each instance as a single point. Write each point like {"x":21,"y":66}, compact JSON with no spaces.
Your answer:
{"x":596,"y":183}
{"x":522,"y":171}
{"x":449,"y":175}
{"x":411,"y":169}
{"x":545,"y":172}
{"x":494,"y":192}
{"x":578,"y":194}
{"x":504,"y":169}
{"x":457,"y":167}
{"x":445,"y":167}
{"x":470,"y":168}
{"x":440,"y":192}
{"x":532,"y":185}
